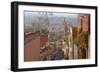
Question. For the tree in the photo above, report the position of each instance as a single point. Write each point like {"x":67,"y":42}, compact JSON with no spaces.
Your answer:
{"x":82,"y":43}
{"x":82,"y":40}
{"x":45,"y":31}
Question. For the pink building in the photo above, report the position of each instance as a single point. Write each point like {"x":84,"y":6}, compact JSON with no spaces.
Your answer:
{"x":32,"y":44}
{"x":84,"y":21}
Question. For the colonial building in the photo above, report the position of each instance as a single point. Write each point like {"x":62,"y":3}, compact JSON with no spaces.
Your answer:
{"x":72,"y":48}
{"x":32,"y":45}
{"x":83,"y":23}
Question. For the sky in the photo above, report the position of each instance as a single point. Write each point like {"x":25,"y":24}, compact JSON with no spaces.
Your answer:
{"x":54,"y":17}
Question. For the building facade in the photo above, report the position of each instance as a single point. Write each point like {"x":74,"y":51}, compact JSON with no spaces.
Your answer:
{"x":83,"y":22}
{"x":32,"y":46}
